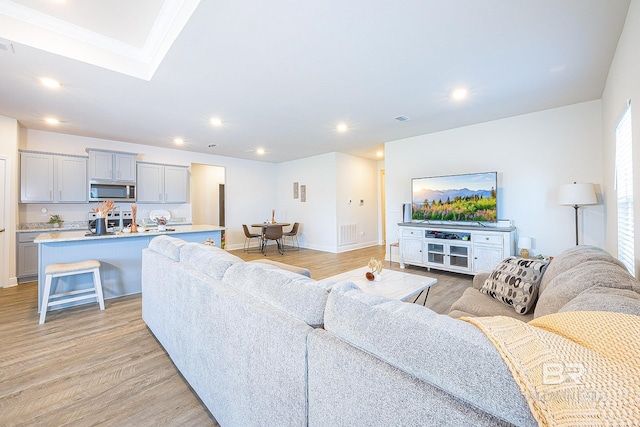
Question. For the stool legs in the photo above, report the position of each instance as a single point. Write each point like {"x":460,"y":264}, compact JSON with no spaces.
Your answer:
{"x":97,"y":284}
{"x":70,"y":296}
{"x":45,"y":298}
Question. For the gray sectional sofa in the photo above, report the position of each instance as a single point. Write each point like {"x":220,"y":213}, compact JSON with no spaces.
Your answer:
{"x":579,"y":279}
{"x":265,"y":346}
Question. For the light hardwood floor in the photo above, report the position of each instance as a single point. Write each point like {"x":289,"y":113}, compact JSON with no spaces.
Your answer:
{"x":90,"y":367}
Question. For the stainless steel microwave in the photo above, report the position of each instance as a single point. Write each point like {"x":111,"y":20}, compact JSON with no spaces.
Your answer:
{"x":109,"y":190}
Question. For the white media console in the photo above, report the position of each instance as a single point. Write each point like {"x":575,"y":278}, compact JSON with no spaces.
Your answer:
{"x":458,"y":248}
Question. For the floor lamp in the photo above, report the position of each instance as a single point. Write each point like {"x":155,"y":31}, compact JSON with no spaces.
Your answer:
{"x":577,"y":195}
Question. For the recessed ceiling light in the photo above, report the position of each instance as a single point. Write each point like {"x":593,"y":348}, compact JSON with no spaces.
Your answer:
{"x":260,"y":151}
{"x":380,"y":153}
{"x":50,"y":83}
{"x":459,"y":94}
{"x":52,"y":121}
{"x":178,"y":141}
{"x":216,"y":121}
{"x":342,"y":127}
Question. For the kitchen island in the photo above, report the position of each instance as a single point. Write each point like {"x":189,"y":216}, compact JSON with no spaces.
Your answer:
{"x":120,"y":256}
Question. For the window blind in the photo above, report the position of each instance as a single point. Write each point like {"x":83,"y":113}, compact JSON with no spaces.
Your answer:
{"x":624,"y":191}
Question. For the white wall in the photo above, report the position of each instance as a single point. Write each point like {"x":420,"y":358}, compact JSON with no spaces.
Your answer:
{"x":623,"y":83}
{"x":248,"y":183}
{"x":205,"y":192}
{"x":357,"y":179}
{"x":533,"y":155}
{"x":9,"y":135}
{"x":317,"y":216}
{"x":331,"y":179}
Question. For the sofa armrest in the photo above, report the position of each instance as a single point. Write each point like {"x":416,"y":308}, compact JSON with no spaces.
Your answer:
{"x":478,"y":279}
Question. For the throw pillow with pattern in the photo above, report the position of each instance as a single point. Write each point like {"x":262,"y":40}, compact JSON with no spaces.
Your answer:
{"x":515,"y":282}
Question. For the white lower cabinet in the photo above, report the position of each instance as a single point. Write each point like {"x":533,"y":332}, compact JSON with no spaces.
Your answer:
{"x":27,"y":256}
{"x":457,"y":248}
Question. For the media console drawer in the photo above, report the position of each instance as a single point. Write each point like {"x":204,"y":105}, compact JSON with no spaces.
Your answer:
{"x":411,"y":232}
{"x":488,"y":238}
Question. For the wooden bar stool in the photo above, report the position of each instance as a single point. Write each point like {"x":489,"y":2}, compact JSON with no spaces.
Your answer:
{"x":71,"y":269}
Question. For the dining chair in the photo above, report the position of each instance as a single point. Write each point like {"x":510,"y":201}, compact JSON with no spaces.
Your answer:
{"x":273,"y":233}
{"x":247,"y":239}
{"x":293,"y":234}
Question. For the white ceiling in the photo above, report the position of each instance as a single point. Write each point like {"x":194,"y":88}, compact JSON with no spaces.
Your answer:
{"x":281,"y":75}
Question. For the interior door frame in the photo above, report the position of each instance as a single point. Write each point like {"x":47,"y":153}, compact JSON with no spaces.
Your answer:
{"x":4,"y":219}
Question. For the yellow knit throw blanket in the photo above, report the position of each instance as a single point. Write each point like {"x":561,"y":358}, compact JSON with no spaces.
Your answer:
{"x":575,"y":369}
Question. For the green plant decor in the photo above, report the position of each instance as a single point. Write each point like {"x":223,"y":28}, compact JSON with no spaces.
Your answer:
{"x":56,"y":220}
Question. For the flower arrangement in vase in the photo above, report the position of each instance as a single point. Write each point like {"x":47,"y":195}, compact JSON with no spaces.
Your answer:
{"x":162,"y":223}
{"x":103,"y":209}
{"x":376,"y":270}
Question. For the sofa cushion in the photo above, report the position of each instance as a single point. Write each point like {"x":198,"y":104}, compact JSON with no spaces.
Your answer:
{"x":566,"y":286}
{"x":420,"y":342}
{"x":606,"y":299}
{"x":515,"y":282}
{"x":473,"y":303}
{"x":209,"y":260}
{"x":573,"y":257}
{"x":167,"y":246}
{"x":297,"y":295}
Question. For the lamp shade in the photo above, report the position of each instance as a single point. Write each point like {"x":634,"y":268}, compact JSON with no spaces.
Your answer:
{"x":524,"y":242}
{"x":577,"y":194}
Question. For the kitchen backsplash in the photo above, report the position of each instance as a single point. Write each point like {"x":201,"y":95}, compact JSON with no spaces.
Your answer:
{"x":74,"y":225}
{"x":76,"y":213}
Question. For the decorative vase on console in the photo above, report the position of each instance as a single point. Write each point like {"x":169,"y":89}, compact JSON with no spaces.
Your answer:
{"x":273,"y":216}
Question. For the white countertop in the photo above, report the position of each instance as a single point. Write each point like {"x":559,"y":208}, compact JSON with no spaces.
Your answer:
{"x":68,"y":236}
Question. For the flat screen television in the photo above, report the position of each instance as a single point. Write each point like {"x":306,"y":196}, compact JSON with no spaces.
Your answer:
{"x":464,"y":198}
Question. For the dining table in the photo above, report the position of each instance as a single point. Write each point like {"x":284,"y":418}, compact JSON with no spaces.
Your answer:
{"x":263,"y":226}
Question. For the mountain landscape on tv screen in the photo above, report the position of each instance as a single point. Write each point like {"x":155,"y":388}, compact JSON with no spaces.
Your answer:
{"x":455,"y":205}
{"x":443,"y":195}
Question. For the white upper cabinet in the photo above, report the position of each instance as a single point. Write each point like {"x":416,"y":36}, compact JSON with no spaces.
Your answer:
{"x":36,"y":177}
{"x":112,"y":166}
{"x":176,"y":184}
{"x":162,"y":183}
{"x":47,"y":178}
{"x":72,"y":179}
{"x":149,"y":187}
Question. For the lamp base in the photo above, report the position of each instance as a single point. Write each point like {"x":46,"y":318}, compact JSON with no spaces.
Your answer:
{"x":524,"y":253}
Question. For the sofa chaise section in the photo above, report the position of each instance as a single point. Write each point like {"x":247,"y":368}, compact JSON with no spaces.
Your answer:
{"x":385,"y":362}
